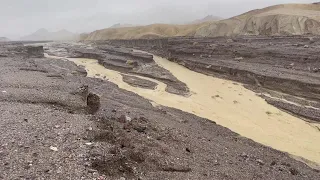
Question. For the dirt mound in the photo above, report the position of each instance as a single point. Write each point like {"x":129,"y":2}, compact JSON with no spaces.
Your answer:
{"x":150,"y":31}
{"x":288,"y":19}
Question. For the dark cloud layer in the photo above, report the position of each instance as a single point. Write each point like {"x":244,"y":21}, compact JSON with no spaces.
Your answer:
{"x":20,"y":17}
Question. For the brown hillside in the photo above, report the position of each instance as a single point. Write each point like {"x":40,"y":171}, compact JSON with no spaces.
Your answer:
{"x":288,"y":19}
{"x":149,"y":31}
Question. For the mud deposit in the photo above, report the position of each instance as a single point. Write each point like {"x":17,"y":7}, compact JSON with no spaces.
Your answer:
{"x":287,"y":67}
{"x":56,"y":123}
{"x":228,"y":104}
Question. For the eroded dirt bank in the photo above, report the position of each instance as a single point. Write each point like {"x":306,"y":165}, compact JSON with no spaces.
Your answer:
{"x":285,"y":67}
{"x":58,"y":124}
{"x":122,"y":60}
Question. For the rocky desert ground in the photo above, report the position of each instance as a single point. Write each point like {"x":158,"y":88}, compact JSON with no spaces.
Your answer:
{"x":61,"y":119}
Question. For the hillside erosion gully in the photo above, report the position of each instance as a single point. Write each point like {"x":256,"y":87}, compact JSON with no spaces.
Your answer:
{"x":286,"y":67}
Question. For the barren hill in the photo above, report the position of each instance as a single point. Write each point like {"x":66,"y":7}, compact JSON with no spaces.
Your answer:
{"x":4,"y":39}
{"x":43,"y":34}
{"x":149,"y":31}
{"x":287,"y":19}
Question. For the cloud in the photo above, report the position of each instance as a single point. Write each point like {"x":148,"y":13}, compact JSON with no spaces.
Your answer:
{"x":21,"y":17}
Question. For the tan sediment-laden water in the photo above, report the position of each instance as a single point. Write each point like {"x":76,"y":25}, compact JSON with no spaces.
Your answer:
{"x":228,"y":104}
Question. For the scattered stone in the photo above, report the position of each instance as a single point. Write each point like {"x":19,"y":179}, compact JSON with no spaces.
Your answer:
{"x":87,"y":164}
{"x":260,"y":162}
{"x":238,"y":58}
{"x":294,"y":171}
{"x":25,"y":120}
{"x":4,"y":91}
{"x":306,"y":46}
{"x":244,"y":155}
{"x":315,"y":70}
{"x":89,"y":143}
{"x":122,"y":178}
{"x":124,"y":119}
{"x":311,"y":40}
{"x":273,"y":163}
{"x":188,"y":150}
{"x":209,"y":66}
{"x":89,"y":129}
{"x":140,"y":128}
{"x":216,"y":163}
{"x":230,"y":41}
{"x":92,"y":170}
{"x":54,"y":148}
{"x":133,"y":63}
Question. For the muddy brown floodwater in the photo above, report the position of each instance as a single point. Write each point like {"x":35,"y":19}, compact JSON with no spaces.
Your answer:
{"x":228,"y":104}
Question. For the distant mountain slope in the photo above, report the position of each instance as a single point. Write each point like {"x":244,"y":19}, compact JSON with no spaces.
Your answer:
{"x":287,"y":19}
{"x":149,"y":31}
{"x":43,"y":34}
{"x":121,"y":25}
{"x":4,"y":39}
{"x":207,"y":19}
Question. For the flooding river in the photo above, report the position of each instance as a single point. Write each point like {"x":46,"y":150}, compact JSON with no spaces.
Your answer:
{"x":229,"y":105}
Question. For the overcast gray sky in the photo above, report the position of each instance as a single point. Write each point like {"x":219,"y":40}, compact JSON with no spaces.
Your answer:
{"x":21,"y":17}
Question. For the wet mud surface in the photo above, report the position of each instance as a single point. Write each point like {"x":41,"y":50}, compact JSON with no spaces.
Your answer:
{"x":288,"y":65}
{"x":120,"y":59}
{"x":58,"y":124}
